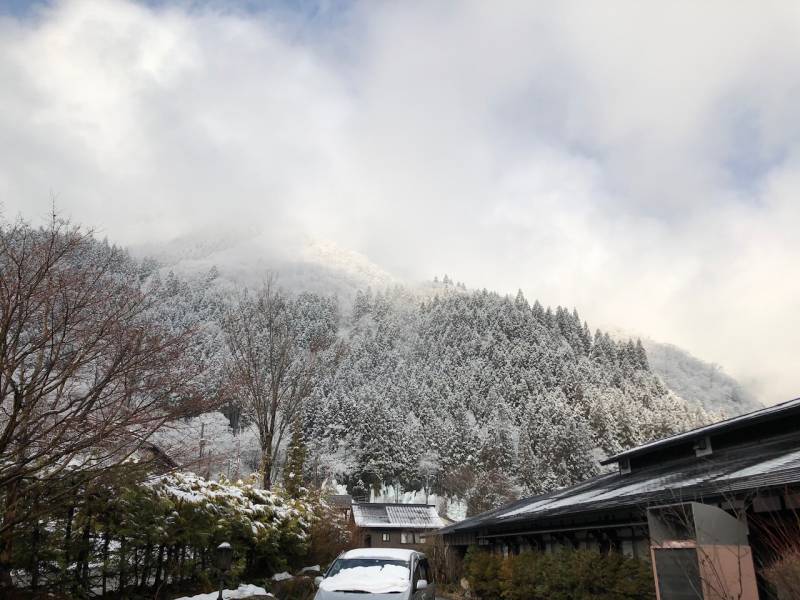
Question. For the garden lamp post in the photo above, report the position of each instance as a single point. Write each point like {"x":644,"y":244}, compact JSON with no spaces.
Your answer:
{"x":224,"y":558}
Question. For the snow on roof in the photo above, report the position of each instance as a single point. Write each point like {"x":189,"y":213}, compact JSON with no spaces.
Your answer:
{"x":407,"y":516}
{"x":776,"y":411}
{"x":391,"y":553}
{"x":748,"y":467}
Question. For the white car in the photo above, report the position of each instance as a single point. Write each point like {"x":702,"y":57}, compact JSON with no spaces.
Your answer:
{"x":377,"y":573}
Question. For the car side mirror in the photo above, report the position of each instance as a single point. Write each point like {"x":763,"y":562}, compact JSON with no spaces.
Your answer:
{"x":422,"y":584}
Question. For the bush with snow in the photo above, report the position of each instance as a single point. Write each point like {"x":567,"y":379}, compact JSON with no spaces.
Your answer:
{"x":163,"y":531}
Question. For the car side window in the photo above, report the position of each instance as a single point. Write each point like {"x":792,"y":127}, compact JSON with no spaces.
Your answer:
{"x":426,"y":571}
{"x":421,"y":571}
{"x":418,"y":572}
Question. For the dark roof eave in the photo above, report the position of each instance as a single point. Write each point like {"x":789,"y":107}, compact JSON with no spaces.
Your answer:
{"x":762,"y":415}
{"x":634,"y":502}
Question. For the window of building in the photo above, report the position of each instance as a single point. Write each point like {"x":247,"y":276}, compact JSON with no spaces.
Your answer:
{"x":412,"y":537}
{"x":385,"y":536}
{"x":628,"y":548}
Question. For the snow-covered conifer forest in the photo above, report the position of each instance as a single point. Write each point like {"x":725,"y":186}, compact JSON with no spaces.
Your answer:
{"x":116,"y":370}
{"x":462,"y":393}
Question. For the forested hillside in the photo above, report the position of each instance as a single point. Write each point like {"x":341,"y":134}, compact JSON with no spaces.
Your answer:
{"x":480,"y":395}
{"x":466,"y":394}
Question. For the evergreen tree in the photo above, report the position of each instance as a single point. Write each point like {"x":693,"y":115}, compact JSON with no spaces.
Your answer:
{"x":293,"y":480}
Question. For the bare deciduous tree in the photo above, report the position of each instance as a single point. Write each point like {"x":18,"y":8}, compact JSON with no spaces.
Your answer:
{"x":87,"y":373}
{"x":275,"y":358}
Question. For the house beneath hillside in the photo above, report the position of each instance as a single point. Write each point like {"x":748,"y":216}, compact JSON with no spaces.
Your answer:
{"x":343,"y":504}
{"x":383,"y":525}
{"x":705,"y":507}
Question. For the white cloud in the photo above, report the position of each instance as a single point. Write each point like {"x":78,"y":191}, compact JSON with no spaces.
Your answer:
{"x":636,"y":159}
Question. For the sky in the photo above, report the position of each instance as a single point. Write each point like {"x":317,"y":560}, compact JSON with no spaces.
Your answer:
{"x":637,"y":160}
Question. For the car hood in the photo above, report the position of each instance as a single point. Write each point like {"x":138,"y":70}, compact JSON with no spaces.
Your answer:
{"x":328,"y":595}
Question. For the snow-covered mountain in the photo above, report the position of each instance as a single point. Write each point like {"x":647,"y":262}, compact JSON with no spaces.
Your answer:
{"x":245,"y":256}
{"x":463,"y":393}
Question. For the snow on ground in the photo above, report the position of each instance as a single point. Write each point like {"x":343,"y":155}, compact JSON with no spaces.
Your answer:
{"x":245,"y":590}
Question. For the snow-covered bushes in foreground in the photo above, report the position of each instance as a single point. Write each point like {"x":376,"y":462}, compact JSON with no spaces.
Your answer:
{"x":265,"y":528}
{"x":162,"y":533}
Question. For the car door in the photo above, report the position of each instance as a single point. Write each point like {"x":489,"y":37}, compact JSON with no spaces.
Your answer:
{"x":430,"y":592}
{"x":421,"y":571}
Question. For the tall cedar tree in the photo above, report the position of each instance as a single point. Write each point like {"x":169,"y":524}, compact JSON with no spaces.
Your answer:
{"x":295,"y":461}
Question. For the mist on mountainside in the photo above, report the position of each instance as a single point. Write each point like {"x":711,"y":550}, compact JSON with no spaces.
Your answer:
{"x":695,"y":379}
{"x":245,"y":256}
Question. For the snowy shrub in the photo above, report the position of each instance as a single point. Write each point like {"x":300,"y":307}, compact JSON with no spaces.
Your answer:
{"x":266,"y":529}
{"x":161,"y":532}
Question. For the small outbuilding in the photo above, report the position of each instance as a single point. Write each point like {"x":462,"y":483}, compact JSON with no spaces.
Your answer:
{"x":384,"y":525}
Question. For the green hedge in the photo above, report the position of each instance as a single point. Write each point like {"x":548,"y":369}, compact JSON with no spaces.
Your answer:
{"x":129,"y":539}
{"x":564,"y":575}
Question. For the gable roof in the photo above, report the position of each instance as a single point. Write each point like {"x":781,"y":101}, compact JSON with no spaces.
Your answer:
{"x":751,"y":419}
{"x":407,"y":516}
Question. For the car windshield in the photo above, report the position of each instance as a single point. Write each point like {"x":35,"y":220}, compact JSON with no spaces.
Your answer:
{"x":368,"y":575}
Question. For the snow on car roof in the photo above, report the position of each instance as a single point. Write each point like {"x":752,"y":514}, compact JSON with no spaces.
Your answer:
{"x":391,"y":553}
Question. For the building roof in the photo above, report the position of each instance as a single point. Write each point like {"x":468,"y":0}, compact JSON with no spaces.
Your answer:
{"x":407,"y":516}
{"x":744,"y":468}
{"x":341,"y":500}
{"x":751,"y":419}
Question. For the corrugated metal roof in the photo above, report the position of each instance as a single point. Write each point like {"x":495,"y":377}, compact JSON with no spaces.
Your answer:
{"x":408,"y":516}
{"x":778,"y":411}
{"x":726,"y":472}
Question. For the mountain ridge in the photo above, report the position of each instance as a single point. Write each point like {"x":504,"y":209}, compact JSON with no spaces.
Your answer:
{"x":245,"y":256}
